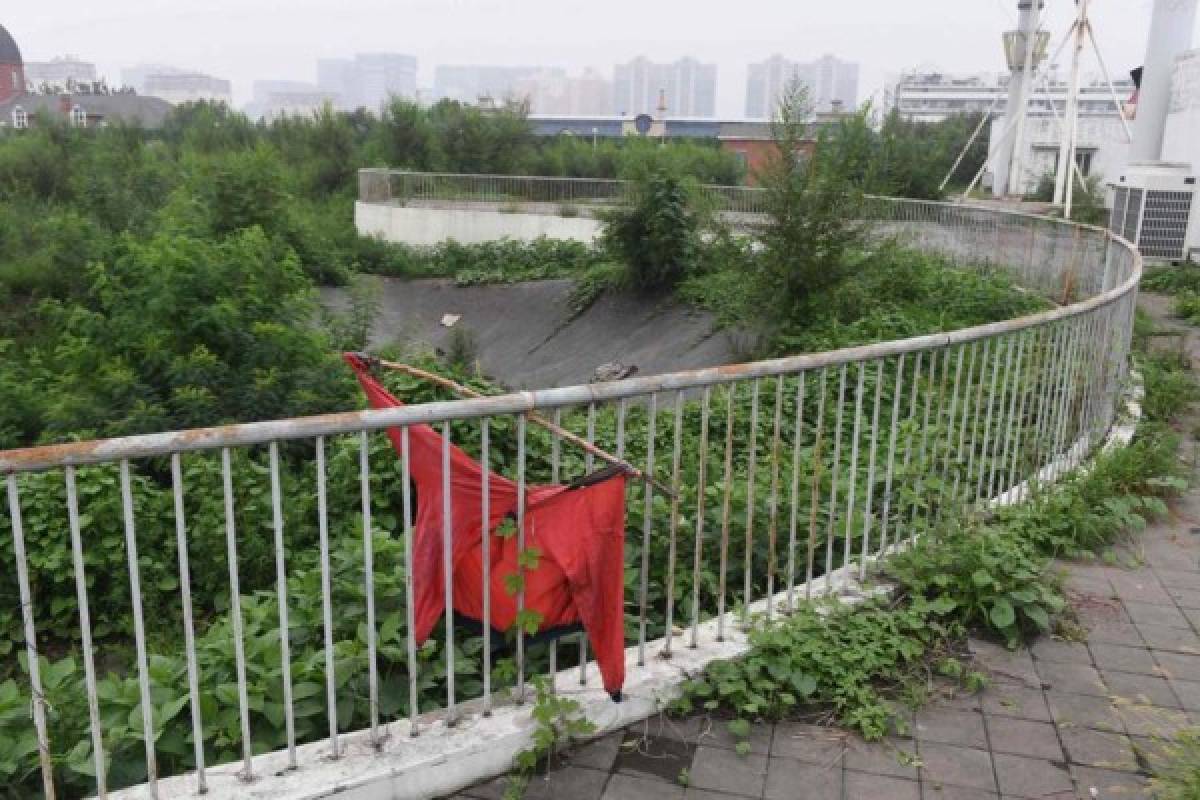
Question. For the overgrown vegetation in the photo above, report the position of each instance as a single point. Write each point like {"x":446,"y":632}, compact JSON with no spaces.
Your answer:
{"x":1177,"y":770}
{"x":986,"y":574}
{"x":657,"y":235}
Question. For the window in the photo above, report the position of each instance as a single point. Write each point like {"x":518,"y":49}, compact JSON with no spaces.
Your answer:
{"x":20,"y":118}
{"x":78,"y":117}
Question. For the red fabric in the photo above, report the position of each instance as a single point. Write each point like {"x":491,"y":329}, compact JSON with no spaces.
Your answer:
{"x":579,"y":532}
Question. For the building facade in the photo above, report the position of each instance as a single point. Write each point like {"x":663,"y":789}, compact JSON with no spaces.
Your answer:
{"x":64,"y":72}
{"x":468,"y":83}
{"x":687,"y":87}
{"x":932,"y":96}
{"x":276,"y":99}
{"x":176,"y":85}
{"x":12,"y":68}
{"x":588,"y":94}
{"x":832,"y":84}
{"x":81,"y":110}
{"x":368,"y":80}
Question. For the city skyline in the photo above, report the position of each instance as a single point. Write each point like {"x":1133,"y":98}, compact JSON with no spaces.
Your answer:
{"x":247,"y":40}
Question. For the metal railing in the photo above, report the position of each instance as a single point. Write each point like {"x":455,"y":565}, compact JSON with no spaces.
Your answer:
{"x":579,"y":194}
{"x":782,"y":471}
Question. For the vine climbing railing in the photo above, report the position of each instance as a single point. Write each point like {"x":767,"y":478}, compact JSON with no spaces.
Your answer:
{"x":782,"y":473}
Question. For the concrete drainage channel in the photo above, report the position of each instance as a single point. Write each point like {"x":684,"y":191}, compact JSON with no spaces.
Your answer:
{"x":441,"y":759}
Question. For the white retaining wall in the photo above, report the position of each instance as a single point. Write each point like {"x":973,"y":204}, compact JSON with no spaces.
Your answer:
{"x":419,"y":225}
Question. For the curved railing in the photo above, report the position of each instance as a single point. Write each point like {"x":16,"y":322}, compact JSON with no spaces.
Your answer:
{"x":784,"y":473}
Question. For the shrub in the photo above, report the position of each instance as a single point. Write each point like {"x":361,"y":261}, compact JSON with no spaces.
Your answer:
{"x":657,"y":235}
{"x":988,"y":578}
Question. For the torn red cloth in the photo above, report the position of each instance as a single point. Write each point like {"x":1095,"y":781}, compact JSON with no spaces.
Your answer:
{"x":580,"y":533}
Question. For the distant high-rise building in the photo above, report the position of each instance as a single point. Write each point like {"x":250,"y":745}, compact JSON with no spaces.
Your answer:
{"x":688,"y":87}
{"x":589,"y":94}
{"x":274,"y":99}
{"x":469,"y":83}
{"x":177,"y":86}
{"x":61,"y":73}
{"x":830,"y":81}
{"x":369,"y":79}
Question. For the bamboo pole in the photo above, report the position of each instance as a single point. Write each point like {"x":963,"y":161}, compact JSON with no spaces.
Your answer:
{"x":534,"y":417}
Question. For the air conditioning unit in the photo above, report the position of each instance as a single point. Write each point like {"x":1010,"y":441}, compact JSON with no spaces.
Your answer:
{"x":1155,"y":208}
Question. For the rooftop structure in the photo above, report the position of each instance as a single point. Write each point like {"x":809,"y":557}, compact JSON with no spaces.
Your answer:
{"x":62,"y":72}
{"x":12,"y":67}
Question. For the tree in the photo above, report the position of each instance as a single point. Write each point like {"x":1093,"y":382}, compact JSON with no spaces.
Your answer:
{"x":657,"y":233}
{"x":814,"y":208}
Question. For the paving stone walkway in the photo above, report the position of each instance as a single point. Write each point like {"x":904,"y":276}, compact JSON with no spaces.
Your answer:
{"x":1062,"y":719}
{"x":1059,"y":720}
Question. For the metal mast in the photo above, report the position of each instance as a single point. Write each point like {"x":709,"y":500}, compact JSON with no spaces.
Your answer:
{"x":1024,"y":48}
{"x":1070,"y":127}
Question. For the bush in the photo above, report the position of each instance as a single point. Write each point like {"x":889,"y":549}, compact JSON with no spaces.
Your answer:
{"x":657,"y":235}
{"x":988,"y":578}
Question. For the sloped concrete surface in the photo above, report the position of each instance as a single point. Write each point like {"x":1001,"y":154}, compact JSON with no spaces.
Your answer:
{"x":527,"y":335}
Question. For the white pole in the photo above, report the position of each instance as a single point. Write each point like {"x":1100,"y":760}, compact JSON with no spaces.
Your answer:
{"x":987,"y":116}
{"x":1022,"y":111}
{"x":1112,"y":90}
{"x":1066,"y":148}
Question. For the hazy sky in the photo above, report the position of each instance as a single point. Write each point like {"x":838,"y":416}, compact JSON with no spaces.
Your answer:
{"x":244,"y":40}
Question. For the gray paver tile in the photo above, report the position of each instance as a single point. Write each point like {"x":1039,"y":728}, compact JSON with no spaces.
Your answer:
{"x":814,"y":744}
{"x":687,"y":729}
{"x":725,"y":771}
{"x":1188,"y":693}
{"x":1024,"y":738}
{"x":1178,"y":579}
{"x":1167,"y":615}
{"x":635,"y":787}
{"x":1140,"y":586}
{"x":1047,"y":649}
{"x":1031,"y":777}
{"x":932,"y":792}
{"x":864,"y":786}
{"x":1186,"y":598}
{"x":1140,"y":720}
{"x":719,"y":736}
{"x":895,"y":757}
{"x":788,"y":779}
{"x":1153,"y":751}
{"x":1146,"y":689}
{"x":1107,"y":783}
{"x":945,"y":725}
{"x":1179,"y":665}
{"x":1084,"y":711}
{"x":1162,"y":637}
{"x":492,"y":790}
{"x":957,"y":766}
{"x":1075,"y":678}
{"x":1115,"y":632}
{"x":1124,"y":659}
{"x":1005,"y":665}
{"x":1016,"y":701}
{"x":1099,"y":749}
{"x":1193,"y":617}
{"x":598,"y":754}
{"x":577,"y":783}
{"x":704,"y":794}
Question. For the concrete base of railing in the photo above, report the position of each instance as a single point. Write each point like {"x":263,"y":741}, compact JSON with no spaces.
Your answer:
{"x":443,"y":759}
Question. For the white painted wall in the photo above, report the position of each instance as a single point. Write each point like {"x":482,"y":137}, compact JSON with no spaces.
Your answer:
{"x":1102,"y":134}
{"x":417,"y":225}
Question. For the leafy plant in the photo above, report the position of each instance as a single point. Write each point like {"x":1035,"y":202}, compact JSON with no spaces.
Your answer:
{"x":1177,"y":770}
{"x":558,"y":721}
{"x":981,"y":577}
{"x":657,"y":235}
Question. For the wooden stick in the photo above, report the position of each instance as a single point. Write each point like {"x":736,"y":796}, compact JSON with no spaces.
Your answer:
{"x":533,"y":417}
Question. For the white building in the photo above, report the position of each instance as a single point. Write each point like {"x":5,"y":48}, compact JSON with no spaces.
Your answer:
{"x":1182,"y":140}
{"x":368,"y":80}
{"x":933,"y":96}
{"x":1102,"y":150}
{"x":468,"y":83}
{"x":831,"y":83}
{"x":589,"y":94}
{"x":275,"y":99}
{"x":177,"y":86}
{"x":688,"y":87}
{"x":61,"y":72}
